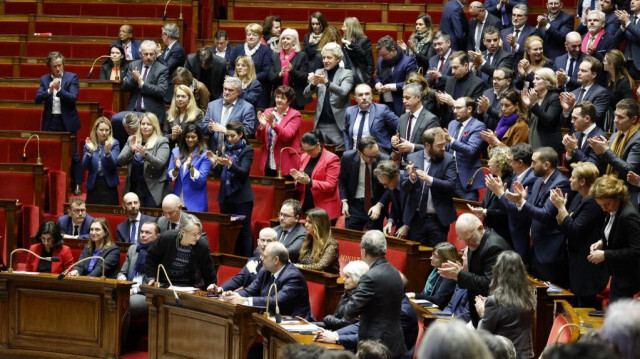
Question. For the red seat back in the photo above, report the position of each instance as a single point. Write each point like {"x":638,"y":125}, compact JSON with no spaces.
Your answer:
{"x":420,"y":334}
{"x":316,"y":299}
{"x":565,"y":336}
{"x":227,"y":272}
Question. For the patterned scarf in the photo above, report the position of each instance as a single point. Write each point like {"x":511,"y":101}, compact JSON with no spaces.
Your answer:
{"x":228,"y":185}
{"x":619,"y":144}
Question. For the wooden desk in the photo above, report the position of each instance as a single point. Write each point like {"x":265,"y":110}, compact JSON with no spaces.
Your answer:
{"x":587,"y":322}
{"x":43,"y":317}
{"x":202,"y":328}
{"x":275,"y":337}
{"x":544,"y":313}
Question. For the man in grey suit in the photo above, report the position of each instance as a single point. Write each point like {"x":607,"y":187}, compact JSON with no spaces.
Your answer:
{"x":129,"y":229}
{"x":172,"y":213}
{"x":148,"y":81}
{"x":291,"y":232}
{"x":589,"y":90}
{"x":414,"y":122}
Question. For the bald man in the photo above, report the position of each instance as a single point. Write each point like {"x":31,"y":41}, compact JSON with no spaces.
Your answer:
{"x":567,"y":65}
{"x":483,"y":248}
{"x":129,"y":229}
{"x":171,"y":213}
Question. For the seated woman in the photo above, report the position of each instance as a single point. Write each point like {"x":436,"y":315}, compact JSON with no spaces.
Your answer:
{"x":100,"y":244}
{"x":533,"y":59}
{"x":438,"y":290}
{"x":246,"y":72}
{"x":182,"y":112}
{"x":319,"y":250}
{"x":50,"y":244}
{"x":351,"y":274}
{"x":513,"y":126}
{"x":189,"y":168}
{"x":100,"y":159}
{"x":115,"y":66}
{"x":201,"y":94}
{"x":510,"y":308}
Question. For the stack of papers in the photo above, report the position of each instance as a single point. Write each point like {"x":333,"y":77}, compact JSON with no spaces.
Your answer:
{"x":301,"y":328}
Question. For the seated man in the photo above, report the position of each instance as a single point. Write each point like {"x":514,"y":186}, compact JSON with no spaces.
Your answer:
{"x":291,"y":232}
{"x":293,"y":295}
{"x":129,"y":229}
{"x":172,"y":213}
{"x":75,"y":224}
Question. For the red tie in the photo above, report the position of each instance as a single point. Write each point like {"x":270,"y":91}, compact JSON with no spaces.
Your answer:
{"x":441,"y":64}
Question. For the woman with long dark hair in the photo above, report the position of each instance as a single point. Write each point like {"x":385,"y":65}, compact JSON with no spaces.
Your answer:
{"x":115,"y":66}
{"x":619,"y":84}
{"x":317,"y":24}
{"x":420,"y":43}
{"x":49,"y":244}
{"x":513,"y":126}
{"x":100,"y":245}
{"x":319,"y":250}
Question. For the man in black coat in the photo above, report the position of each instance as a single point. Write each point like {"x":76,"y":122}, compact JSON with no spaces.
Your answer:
{"x":208,"y":69}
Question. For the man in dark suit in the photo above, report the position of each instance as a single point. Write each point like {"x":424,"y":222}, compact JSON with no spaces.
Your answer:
{"x":147,"y":80}
{"x":483,"y":246}
{"x":480,"y":20}
{"x":360,"y":191}
{"x":172,"y":213}
{"x":549,"y":253}
{"x":596,"y":41}
{"x":503,"y":9}
{"x":414,"y":122}
{"x":208,"y":69}
{"x":439,"y":70}
{"x":131,"y":46}
{"x":172,"y":56}
{"x":454,"y":23}
{"x":554,"y":26}
{"x":485,"y":62}
{"x":368,"y":118}
{"x":392,"y":69}
{"x":378,"y":297}
{"x":589,"y":90}
{"x":513,"y":37}
{"x":429,"y":183}
{"x":630,"y":31}
{"x":464,"y":143}
{"x":129,"y":230}
{"x":568,"y":64}
{"x":75,"y":224}
{"x":290,"y":231}
{"x":226,"y":109}
{"x":59,"y":92}
{"x":576,"y":145}
{"x":388,"y":174}
{"x":293,"y":294}
{"x":489,"y":109}
{"x":222,"y":48}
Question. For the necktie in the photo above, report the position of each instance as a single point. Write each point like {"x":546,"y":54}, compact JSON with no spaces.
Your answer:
{"x":283,"y":235}
{"x":579,"y":99}
{"x":174,"y":225}
{"x":225,"y":114}
{"x":441,"y":66}
{"x":360,"y":128}
{"x":367,"y":188}
{"x":144,"y":78}
{"x":132,"y":236}
{"x":590,"y":43}
{"x":424,"y":198}
{"x":126,"y":52}
{"x":76,"y":230}
{"x":505,"y":16}
{"x":456,"y":133}
{"x":572,"y":63}
{"x":517,"y":35}
{"x":478,"y":36}
{"x":273,"y":278}
{"x":408,"y":137}
{"x":485,"y":77}
{"x":541,"y":192}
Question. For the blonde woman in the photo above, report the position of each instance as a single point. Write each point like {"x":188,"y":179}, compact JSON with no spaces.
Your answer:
{"x":261,"y":56}
{"x":246,"y":72}
{"x":147,"y":155}
{"x":357,"y":48}
{"x":100,"y":159}
{"x":533,"y":60}
{"x":182,"y":112}
{"x":545,"y":110}
{"x":319,"y":250}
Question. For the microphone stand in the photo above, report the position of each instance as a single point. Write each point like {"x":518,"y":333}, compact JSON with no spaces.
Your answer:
{"x":157,"y":284}
{"x":24,"y":150}
{"x":94,"y":64}
{"x":63,"y":274}
{"x":164,"y":16}
{"x":277,"y":314}
{"x":48,"y":259}
{"x":468,"y":187}
{"x":282,"y":150}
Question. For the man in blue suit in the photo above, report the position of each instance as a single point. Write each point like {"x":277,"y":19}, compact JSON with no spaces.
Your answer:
{"x":465,"y":144}
{"x":393,"y":68}
{"x":439,"y":70}
{"x":430,"y":183}
{"x":222,"y":48}
{"x":454,"y":23}
{"x":129,"y":230}
{"x":76,"y":223}
{"x":226,"y":109}
{"x":513,"y":37}
{"x":589,"y":90}
{"x":568,"y":64}
{"x":59,"y":92}
{"x":576,"y":145}
{"x":503,"y":9}
{"x":630,"y":31}
{"x":368,"y":118}
{"x":554,"y":26}
{"x":293,"y":294}
{"x":549,"y":253}
{"x":131,"y":46}
{"x":172,"y":56}
{"x":388,"y":175}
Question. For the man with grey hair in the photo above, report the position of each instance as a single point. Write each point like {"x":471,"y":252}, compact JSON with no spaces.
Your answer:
{"x":173,"y":54}
{"x":513,"y":37}
{"x":439,"y":69}
{"x":226,"y":109}
{"x":480,"y":19}
{"x":392,"y":70}
{"x":621,"y":328}
{"x":414,"y":122}
{"x":598,"y":40}
{"x":378,"y":297}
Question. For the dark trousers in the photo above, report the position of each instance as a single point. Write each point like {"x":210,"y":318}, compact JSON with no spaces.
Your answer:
{"x":140,"y":188}
{"x":101,"y":193}
{"x":359,"y":219}
{"x":557,"y":272}
{"x":427,"y":230}
{"x":616,"y":292}
{"x":55,"y":124}
{"x":244,"y":243}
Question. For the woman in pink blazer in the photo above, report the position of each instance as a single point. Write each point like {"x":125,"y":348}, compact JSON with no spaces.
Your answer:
{"x":279,"y":128}
{"x":50,"y":237}
{"x":317,"y":177}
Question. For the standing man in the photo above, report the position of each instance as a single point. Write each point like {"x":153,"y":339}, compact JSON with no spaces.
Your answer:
{"x":59,"y":92}
{"x":567,"y":65}
{"x":76,"y":223}
{"x":489,"y":109}
{"x":378,"y":297}
{"x":222,"y":48}
{"x":454,"y":23}
{"x":596,"y":42}
{"x":208,"y":69}
{"x":131,"y":46}
{"x":503,"y":9}
{"x":630,"y":31}
{"x":554,"y":26}
{"x":368,"y":118}
{"x":393,"y":68}
{"x":439,"y":70}
{"x":414,"y":122}
{"x":290,"y":231}
{"x":388,"y":175}
{"x":513,"y":37}
{"x":485,"y":62}
{"x":172,"y":56}
{"x":589,"y":90}
{"x":129,"y":230}
{"x":480,"y":20}
{"x":576,"y":145}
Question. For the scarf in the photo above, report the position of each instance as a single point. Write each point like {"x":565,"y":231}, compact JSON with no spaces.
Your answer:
{"x":619,"y":144}
{"x":314,"y":39}
{"x":596,"y":41}
{"x":273,"y":43}
{"x":418,"y":40}
{"x":229,"y":186}
{"x":386,"y":75}
{"x":504,"y":124}
{"x":140,"y":262}
{"x":249,"y":52}
{"x":285,"y":60}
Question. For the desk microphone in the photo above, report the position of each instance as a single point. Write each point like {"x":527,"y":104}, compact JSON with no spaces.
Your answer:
{"x":94,"y":64}
{"x":63,"y":274}
{"x":24,"y":149}
{"x":48,"y":259}
{"x":282,"y":150}
{"x":470,"y":183}
{"x":175,"y":294}
{"x":277,"y":314}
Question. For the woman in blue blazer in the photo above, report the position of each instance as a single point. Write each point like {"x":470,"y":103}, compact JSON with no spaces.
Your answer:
{"x":100,"y":245}
{"x":189,"y":168}
{"x":261,"y":56}
{"x":236,"y":196}
{"x":100,"y":159}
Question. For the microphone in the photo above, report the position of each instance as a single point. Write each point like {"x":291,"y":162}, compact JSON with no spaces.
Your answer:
{"x":175,"y":294}
{"x":164,"y":17}
{"x":277,"y":314}
{"x":24,"y":149}
{"x":282,"y":150}
{"x":63,"y":274}
{"x":94,"y":64}
{"x":468,"y":187}
{"x":48,"y":259}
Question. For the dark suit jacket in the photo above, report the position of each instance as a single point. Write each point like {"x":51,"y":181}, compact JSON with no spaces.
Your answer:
{"x":228,"y":55}
{"x":153,"y":90}
{"x":426,"y":120}
{"x":490,"y":20}
{"x":66,"y":225}
{"x":622,"y":250}
{"x":241,"y":169}
{"x":385,"y":75}
{"x":293,"y":294}
{"x":293,"y":241}
{"x":492,"y":7}
{"x":632,"y":36}
{"x":514,"y":324}
{"x":135,"y":48}
{"x":585,"y":153}
{"x":500,"y":58}
{"x":164,"y":223}
{"x":123,"y":233}
{"x":455,"y":23}
{"x":544,"y":123}
{"x":599,"y":97}
{"x":492,"y":116}
{"x":109,"y":165}
{"x":213,"y":78}
{"x":349,"y":173}
{"x":111,"y":257}
{"x":297,"y":77}
{"x":397,"y":199}
{"x":606,"y":43}
{"x":173,"y":58}
{"x":519,"y":224}
{"x":361,"y":57}
{"x":434,"y":62}
{"x":561,"y":63}
{"x":468,"y":150}
{"x":244,"y":278}
{"x":107,"y":66}
{"x":242,"y":111}
{"x":262,"y":62}
{"x":527,"y":31}
{"x":472,"y":86}
{"x":68,"y":95}
{"x":554,"y":37}
{"x":443,"y":171}
{"x":497,"y":217}
{"x":378,"y":302}
{"x":629,"y":161}
{"x":382,"y":125}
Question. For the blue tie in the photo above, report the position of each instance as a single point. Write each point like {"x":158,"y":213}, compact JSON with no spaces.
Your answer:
{"x":132,"y":235}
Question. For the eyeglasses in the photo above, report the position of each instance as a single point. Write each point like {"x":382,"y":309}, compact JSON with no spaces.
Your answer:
{"x":285,"y":215}
{"x":309,"y":151}
{"x":79,"y":210}
{"x":194,"y":235}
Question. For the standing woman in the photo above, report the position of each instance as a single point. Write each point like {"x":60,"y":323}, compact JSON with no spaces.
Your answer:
{"x":289,"y":67}
{"x":147,"y":155}
{"x":513,"y":126}
{"x":271,"y":32}
{"x":246,"y":72}
{"x":115,"y":66}
{"x":100,"y":244}
{"x":279,"y":128}
{"x":357,"y":47}
{"x":619,"y":246}
{"x":318,"y":176}
{"x":510,"y":308}
{"x":581,"y":224}
{"x":533,"y":59}
{"x":100,"y":159}
{"x":420,"y":43}
{"x":236,"y":196}
{"x":545,"y":110}
{"x":619,"y":84}
{"x":189,"y":168}
{"x":261,"y":56}
{"x":50,"y":244}
{"x":182,"y":112}
{"x":317,"y":24}
{"x":319,"y":250}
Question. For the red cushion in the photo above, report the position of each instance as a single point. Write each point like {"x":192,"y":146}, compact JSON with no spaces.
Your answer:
{"x":213,"y":231}
{"x":565,"y":336}
{"x":316,"y":299}
{"x":18,"y":186}
{"x":227,"y":272}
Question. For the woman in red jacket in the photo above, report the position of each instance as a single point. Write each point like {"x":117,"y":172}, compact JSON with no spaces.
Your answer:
{"x":50,"y":237}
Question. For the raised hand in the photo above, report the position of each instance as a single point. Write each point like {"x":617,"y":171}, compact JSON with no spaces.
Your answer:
{"x":107,"y":147}
{"x":90,"y":146}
